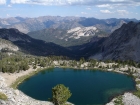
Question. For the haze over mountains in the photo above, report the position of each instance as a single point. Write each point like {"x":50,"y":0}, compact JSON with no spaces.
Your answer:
{"x":26,"y":25}
{"x":64,"y":31}
{"x":83,"y":37}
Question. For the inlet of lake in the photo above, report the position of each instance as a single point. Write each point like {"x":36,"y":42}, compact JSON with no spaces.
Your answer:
{"x":88,"y":87}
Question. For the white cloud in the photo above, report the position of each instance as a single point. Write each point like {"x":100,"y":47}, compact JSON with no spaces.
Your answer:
{"x":9,"y":6}
{"x":118,"y":0}
{"x":98,"y":3}
{"x":105,"y":11}
{"x":103,"y":5}
{"x":7,"y":15}
{"x":88,"y":8}
{"x":84,"y":13}
{"x":122,"y":12}
{"x":2,"y":2}
{"x":47,"y":2}
{"x":20,"y":1}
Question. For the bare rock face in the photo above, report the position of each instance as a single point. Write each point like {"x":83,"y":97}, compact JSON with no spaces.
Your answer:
{"x":78,"y":32}
{"x":130,"y":99}
{"x":122,"y":44}
{"x":4,"y":44}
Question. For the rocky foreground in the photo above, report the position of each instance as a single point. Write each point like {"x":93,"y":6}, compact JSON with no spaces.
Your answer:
{"x":127,"y":99}
{"x":16,"y":97}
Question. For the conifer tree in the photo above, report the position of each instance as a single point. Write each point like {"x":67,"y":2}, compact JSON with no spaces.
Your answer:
{"x":60,"y":94}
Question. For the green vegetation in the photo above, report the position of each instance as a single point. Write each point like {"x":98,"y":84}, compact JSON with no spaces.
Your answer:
{"x":60,"y":94}
{"x":13,"y":63}
{"x":119,"y":101}
{"x":137,"y":93}
{"x":127,"y":62}
{"x":137,"y":82}
{"x":3,"y":96}
{"x":19,"y":62}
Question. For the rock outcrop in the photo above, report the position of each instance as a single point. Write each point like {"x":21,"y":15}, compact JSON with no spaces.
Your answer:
{"x":130,"y":99}
{"x":4,"y":44}
{"x":127,"y":99}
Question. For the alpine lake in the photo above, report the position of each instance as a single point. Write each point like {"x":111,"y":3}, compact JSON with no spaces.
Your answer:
{"x":88,"y":87}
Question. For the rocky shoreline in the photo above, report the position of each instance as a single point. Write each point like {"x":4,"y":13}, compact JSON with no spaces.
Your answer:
{"x":127,"y":99}
{"x":16,"y":97}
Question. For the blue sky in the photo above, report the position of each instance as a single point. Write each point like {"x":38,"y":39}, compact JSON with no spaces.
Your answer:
{"x":101,"y":9}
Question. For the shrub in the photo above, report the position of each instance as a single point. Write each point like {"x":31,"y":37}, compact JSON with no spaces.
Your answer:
{"x":3,"y":96}
{"x":60,"y":94}
{"x":119,"y":101}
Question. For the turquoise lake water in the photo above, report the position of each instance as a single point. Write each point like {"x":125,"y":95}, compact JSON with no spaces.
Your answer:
{"x":88,"y":87}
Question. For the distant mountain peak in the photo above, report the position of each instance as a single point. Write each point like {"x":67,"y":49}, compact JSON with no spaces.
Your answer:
{"x":26,"y":25}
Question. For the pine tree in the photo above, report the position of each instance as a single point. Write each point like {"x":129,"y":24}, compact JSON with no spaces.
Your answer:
{"x":60,"y":94}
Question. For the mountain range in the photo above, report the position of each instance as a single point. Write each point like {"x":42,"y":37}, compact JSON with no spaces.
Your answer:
{"x":64,"y":31}
{"x":26,"y":25}
{"x":83,"y":37}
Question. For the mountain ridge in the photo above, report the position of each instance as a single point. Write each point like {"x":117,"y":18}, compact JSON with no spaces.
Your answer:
{"x":122,"y":44}
{"x":33,"y":46}
{"x":66,"y":38}
{"x":26,"y":25}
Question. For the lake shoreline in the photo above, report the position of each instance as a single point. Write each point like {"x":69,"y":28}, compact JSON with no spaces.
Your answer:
{"x":12,"y":77}
{"x":31,"y":72}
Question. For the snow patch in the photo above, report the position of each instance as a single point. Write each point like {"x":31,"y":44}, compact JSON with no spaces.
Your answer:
{"x":74,"y":29}
{"x":79,"y":32}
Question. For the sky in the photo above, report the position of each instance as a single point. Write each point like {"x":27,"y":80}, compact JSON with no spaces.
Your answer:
{"x":101,"y":9}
